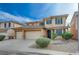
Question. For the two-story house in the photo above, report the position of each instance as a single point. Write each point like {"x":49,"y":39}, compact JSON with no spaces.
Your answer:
{"x":34,"y":30}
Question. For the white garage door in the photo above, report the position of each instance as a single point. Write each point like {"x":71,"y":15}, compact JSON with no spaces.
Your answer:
{"x":19,"y":35}
{"x":33,"y":34}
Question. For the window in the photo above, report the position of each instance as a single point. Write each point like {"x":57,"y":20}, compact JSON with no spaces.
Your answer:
{"x":9,"y":25}
{"x":58,"y":20}
{"x":4,"y":25}
{"x":49,"y":22}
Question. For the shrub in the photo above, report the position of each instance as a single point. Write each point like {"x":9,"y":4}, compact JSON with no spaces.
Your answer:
{"x":2,"y":37}
{"x":54,"y":35}
{"x":67,"y":35}
{"x":42,"y":42}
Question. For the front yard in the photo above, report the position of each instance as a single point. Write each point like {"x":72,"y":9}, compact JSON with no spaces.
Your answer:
{"x":63,"y":43}
{"x":69,"y":46}
{"x":47,"y":46}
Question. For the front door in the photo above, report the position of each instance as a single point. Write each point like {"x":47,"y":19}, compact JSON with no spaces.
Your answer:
{"x":49,"y":34}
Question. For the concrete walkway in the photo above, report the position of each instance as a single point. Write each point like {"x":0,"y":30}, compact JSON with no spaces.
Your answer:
{"x":22,"y":47}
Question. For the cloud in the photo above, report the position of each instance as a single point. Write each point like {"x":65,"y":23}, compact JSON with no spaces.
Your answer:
{"x":64,"y":8}
{"x":8,"y":17}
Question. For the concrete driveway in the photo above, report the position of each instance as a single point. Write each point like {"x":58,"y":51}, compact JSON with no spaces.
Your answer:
{"x":13,"y":46}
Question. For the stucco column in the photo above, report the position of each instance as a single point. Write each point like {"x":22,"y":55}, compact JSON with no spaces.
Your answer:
{"x":78,"y":27}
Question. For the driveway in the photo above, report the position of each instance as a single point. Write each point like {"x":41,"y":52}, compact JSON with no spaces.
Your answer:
{"x":15,"y":44}
{"x":12,"y":46}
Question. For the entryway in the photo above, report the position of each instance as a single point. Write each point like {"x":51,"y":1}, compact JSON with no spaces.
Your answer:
{"x":49,"y":34}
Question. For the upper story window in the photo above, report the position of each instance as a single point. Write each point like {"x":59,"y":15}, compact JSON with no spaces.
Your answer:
{"x":49,"y":21}
{"x":58,"y":20}
{"x":4,"y":25}
{"x":9,"y":25}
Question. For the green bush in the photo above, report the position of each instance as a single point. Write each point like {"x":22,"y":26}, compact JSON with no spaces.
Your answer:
{"x":2,"y":37}
{"x":42,"y":42}
{"x":54,"y":35}
{"x":67,"y":35}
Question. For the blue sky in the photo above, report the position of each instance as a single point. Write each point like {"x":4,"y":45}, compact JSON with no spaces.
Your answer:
{"x":36,"y":11}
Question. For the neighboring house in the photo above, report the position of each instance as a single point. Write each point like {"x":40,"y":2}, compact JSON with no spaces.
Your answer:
{"x":10,"y":24}
{"x":34,"y":30}
{"x":7,"y":28}
{"x":74,"y":25}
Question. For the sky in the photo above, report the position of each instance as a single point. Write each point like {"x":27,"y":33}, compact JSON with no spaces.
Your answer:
{"x":25,"y":12}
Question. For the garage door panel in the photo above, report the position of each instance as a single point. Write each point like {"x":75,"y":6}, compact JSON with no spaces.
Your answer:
{"x":33,"y":34}
{"x":19,"y":35}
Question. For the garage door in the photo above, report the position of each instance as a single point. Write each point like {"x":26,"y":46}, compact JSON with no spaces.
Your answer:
{"x":33,"y":34}
{"x":19,"y":35}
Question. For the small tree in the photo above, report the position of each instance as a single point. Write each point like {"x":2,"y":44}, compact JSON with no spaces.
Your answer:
{"x":67,"y":35}
{"x":42,"y":42}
